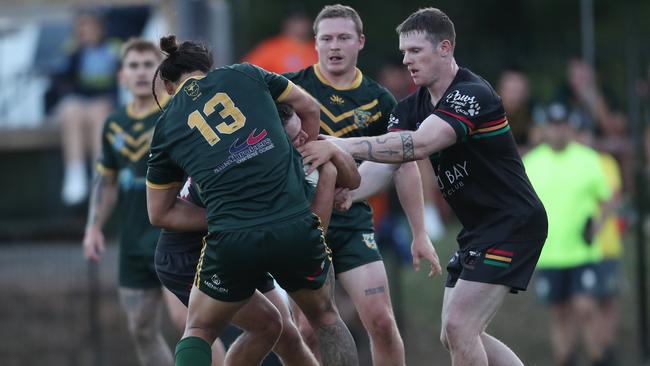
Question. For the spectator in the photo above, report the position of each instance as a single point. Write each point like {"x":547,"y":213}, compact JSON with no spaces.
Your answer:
{"x":610,"y":243}
{"x":514,"y":90}
{"x":570,"y":181}
{"x":87,"y":86}
{"x":291,"y":50}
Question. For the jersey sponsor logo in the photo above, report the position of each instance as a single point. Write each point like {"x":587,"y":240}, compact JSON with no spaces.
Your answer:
{"x":252,"y":139}
{"x":450,"y":180}
{"x":254,"y":145}
{"x":335,"y":99}
{"x":361,"y":117}
{"x":470,"y":259}
{"x":119,"y":141}
{"x":392,"y":122}
{"x":369,"y":239}
{"x":464,"y":104}
{"x":192,"y":89}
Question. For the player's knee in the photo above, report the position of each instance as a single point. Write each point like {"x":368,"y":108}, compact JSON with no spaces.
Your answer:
{"x":455,"y":329}
{"x":289,"y":337}
{"x":382,"y":326}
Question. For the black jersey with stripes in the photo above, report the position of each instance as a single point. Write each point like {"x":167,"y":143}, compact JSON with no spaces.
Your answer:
{"x":481,"y":176}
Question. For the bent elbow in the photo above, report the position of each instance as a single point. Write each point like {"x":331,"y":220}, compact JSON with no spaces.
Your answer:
{"x":156,"y":219}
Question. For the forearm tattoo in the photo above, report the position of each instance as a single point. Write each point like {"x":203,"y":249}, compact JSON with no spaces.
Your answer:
{"x":96,"y":197}
{"x":407,"y":146}
{"x":367,"y":155}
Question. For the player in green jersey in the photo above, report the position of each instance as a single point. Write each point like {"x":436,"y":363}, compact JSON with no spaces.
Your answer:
{"x":354,"y":105}
{"x":222,"y":129}
{"x":121,"y":177}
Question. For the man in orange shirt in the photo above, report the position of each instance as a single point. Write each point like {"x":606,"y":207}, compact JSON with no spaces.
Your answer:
{"x":291,"y":50}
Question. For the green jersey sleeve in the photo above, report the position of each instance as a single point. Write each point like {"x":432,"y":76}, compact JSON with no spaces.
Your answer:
{"x":107,"y":162}
{"x":278,"y":85}
{"x":162,"y":171}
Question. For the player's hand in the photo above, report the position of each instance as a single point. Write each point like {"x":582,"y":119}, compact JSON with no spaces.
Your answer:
{"x":93,"y":243}
{"x":422,"y":248}
{"x":342,"y":199}
{"x":317,"y":153}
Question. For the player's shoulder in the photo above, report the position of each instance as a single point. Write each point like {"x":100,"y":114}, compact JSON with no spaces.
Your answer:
{"x":304,"y":74}
{"x":377,"y":90}
{"x":471,"y":96}
{"x":118,"y":116}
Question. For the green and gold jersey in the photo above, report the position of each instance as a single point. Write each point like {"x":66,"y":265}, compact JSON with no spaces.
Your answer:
{"x":125,"y":148}
{"x":224,"y":131}
{"x":360,"y":109}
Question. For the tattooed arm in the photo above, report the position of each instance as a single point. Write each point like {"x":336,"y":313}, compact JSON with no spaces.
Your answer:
{"x":395,"y":147}
{"x":102,"y":203}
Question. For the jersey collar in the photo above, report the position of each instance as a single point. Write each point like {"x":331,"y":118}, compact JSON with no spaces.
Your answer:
{"x":355,"y":83}
{"x":154,"y":109}
{"x":181,"y":85}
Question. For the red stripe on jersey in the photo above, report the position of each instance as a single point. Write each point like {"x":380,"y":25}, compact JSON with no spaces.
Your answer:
{"x":458,"y":117}
{"x":500,"y":252}
{"x":493,"y":123}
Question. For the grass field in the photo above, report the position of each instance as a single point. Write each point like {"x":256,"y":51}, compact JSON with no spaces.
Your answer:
{"x":44,"y":312}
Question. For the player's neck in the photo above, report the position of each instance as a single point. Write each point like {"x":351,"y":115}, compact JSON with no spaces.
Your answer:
{"x":342,"y":80}
{"x":440,"y":86}
{"x":142,"y":105}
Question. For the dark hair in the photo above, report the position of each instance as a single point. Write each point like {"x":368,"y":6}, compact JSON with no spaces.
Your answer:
{"x":139,"y":45}
{"x":285,"y":111}
{"x":339,"y":11}
{"x":181,"y":59}
{"x":435,"y":24}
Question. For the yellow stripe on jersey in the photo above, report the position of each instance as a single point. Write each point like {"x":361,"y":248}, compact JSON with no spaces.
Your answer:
{"x":164,"y":186}
{"x":285,"y":92}
{"x":350,"y":113}
{"x":134,"y":156}
{"x":103,"y":170}
{"x":164,"y":98}
{"x":144,"y":138}
{"x":347,"y":129}
{"x":355,"y":83}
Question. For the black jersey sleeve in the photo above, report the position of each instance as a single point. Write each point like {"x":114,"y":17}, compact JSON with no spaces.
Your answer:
{"x":473,"y":109}
{"x":399,"y":119}
{"x":387,"y":103}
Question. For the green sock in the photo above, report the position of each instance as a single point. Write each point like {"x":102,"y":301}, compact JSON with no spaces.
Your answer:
{"x":193,"y":351}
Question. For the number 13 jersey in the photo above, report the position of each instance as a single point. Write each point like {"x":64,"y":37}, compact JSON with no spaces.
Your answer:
{"x":224,"y":131}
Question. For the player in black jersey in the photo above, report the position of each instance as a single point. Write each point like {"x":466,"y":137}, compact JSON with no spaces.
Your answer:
{"x":457,"y":120}
{"x":354,"y":105}
{"x":222,"y":129}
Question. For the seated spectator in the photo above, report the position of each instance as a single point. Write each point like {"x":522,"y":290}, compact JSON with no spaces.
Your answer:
{"x":291,"y":50}
{"x":87,"y":87}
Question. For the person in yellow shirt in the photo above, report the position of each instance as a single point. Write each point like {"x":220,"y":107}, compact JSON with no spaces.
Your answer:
{"x":609,"y":240}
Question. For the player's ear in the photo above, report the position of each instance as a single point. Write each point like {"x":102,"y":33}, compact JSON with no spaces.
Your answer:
{"x":445,"y":47}
{"x":362,"y":41}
